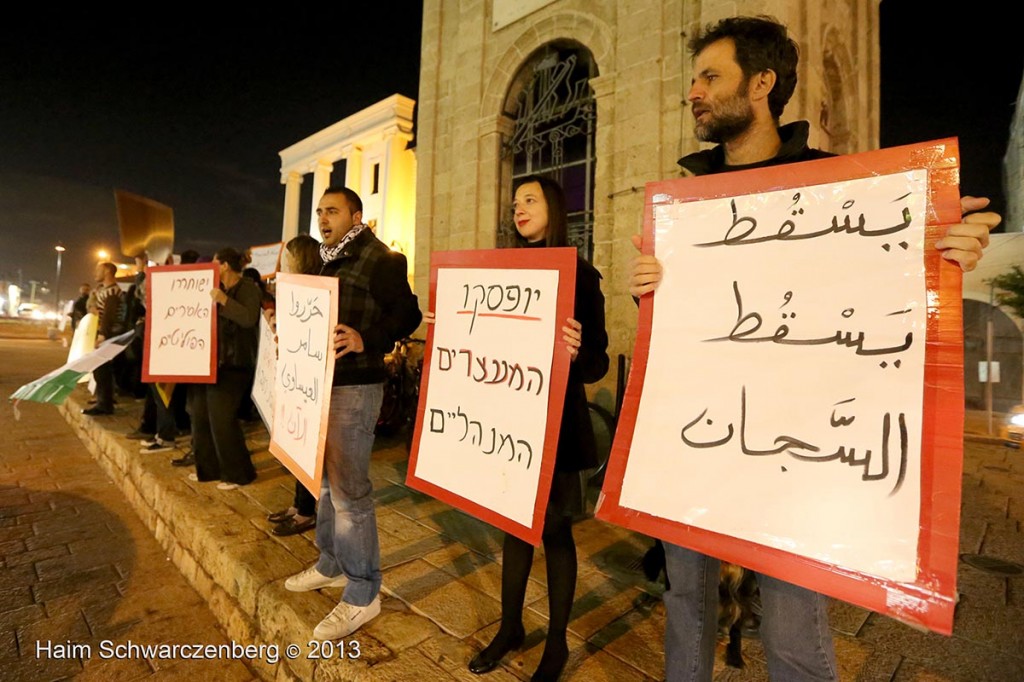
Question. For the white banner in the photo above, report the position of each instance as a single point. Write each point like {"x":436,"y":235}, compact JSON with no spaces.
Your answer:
{"x":266,"y":374}
{"x":784,"y":394}
{"x":306,"y":314}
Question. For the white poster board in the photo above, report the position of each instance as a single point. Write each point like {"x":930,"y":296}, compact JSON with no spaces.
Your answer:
{"x":307,"y":312}
{"x":266,"y":258}
{"x":181,"y":324}
{"x":266,"y":374}
{"x":486,"y":433}
{"x":750,"y":311}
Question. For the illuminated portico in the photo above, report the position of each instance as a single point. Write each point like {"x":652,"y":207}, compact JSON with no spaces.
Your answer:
{"x":378,"y":165}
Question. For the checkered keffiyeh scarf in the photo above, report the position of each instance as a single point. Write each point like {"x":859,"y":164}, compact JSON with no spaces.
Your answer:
{"x":329,"y":253}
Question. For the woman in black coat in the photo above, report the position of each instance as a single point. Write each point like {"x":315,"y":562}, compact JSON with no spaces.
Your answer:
{"x":540,"y":217}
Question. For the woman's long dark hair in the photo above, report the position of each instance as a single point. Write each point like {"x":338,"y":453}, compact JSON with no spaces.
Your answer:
{"x":557,"y":233}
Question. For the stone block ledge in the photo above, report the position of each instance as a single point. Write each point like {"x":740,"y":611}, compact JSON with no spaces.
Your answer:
{"x":221,"y":542}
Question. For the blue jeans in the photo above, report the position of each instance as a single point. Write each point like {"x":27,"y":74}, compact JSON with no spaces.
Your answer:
{"x":794,"y":623}
{"x":346,"y":523}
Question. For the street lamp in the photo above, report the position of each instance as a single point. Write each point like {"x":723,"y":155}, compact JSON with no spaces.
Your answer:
{"x":56,"y":289}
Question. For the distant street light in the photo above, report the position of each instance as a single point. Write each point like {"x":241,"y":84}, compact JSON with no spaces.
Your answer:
{"x":56,"y":289}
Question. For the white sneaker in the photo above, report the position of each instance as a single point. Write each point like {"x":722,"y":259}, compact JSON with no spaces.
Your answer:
{"x":312,"y":579}
{"x":155,"y":445}
{"x":345,"y":619}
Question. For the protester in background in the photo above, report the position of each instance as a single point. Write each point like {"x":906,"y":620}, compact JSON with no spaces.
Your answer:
{"x":147,"y":429}
{"x":157,"y":397}
{"x":179,"y":398}
{"x":218,"y":442}
{"x":129,"y":366}
{"x":301,"y":256}
{"x":79,"y":308}
{"x":255,"y":276}
{"x":106,"y":301}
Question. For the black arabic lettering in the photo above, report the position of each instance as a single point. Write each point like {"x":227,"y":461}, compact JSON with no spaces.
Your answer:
{"x":803,"y":451}
{"x":787,"y":230}
{"x":749,"y":323}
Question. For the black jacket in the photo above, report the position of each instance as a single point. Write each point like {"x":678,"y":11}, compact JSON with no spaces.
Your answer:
{"x":794,"y":149}
{"x":577,"y":447}
{"x":237,"y":330}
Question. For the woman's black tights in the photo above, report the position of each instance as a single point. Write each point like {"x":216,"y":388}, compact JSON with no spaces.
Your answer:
{"x":560,"y":558}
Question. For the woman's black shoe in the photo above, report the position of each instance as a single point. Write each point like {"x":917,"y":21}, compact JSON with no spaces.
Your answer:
{"x":186,"y":461}
{"x":488,"y":659}
{"x":551,"y":663}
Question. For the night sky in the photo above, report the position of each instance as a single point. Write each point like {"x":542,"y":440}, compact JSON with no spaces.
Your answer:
{"x":193,"y":113}
{"x":188,"y":113}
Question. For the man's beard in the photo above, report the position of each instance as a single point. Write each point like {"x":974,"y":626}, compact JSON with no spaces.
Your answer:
{"x":726,"y":120}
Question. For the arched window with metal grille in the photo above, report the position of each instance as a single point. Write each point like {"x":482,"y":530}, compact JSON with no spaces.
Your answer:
{"x":553,"y":113}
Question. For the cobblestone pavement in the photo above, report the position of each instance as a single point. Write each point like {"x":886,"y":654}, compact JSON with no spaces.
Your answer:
{"x":441,"y":573}
{"x":79,"y":568}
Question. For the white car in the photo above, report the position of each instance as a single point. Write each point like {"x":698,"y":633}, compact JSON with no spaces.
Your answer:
{"x":1014,"y":427}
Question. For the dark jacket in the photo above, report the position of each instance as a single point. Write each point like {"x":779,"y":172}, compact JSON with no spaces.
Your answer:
{"x":237,"y":330}
{"x":577,"y":447}
{"x":79,"y":310}
{"x":794,"y":149}
{"x":374,"y":298}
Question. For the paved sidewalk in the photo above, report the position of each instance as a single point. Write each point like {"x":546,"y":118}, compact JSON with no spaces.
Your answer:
{"x":78,"y":565}
{"x":442,"y":578}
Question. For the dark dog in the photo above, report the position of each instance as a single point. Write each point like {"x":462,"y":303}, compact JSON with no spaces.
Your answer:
{"x":737,"y":599}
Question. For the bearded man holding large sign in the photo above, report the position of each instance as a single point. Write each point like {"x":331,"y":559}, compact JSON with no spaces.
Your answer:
{"x":744,"y":74}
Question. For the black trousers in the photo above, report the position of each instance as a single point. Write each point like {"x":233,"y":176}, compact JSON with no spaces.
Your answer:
{"x":218,"y":442}
{"x":104,"y":376}
{"x":304,"y":501}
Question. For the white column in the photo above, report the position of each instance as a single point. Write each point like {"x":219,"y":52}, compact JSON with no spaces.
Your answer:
{"x":321,"y":181}
{"x":353,"y":156}
{"x":292,"y":195}
{"x":392,"y":188}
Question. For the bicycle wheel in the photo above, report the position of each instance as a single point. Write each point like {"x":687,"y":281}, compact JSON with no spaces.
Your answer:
{"x":604,"y":433}
{"x":391,"y":416}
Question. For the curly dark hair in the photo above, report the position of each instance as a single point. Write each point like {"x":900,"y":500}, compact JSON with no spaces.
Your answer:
{"x":762,"y":44}
{"x":231,"y":257}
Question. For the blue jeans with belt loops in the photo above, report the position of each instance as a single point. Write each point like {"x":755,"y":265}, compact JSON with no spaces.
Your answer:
{"x":794,"y":623}
{"x":346,"y":522}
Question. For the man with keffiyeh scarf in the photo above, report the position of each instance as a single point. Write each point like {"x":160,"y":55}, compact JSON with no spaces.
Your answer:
{"x":376,"y":308}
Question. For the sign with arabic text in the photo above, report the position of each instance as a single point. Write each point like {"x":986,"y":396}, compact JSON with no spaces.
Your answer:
{"x":307,"y":312}
{"x":494,"y":383}
{"x":795,"y":401}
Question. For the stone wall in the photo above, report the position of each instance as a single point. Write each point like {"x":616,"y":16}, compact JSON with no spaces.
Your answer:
{"x":643,"y":126}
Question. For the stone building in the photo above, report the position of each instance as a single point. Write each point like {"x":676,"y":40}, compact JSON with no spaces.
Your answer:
{"x":594,"y":92}
{"x":368,"y":152}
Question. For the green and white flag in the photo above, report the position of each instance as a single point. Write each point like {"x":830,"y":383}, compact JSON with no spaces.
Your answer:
{"x":56,"y":386}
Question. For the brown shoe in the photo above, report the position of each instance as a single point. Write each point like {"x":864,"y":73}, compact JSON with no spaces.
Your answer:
{"x":292,"y":527}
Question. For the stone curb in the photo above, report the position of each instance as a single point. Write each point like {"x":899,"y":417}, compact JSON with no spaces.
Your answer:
{"x":238,"y":568}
